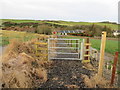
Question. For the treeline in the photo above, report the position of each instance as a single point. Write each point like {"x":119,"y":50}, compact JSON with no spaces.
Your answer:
{"x":41,"y":28}
{"x":94,"y":30}
{"x":109,"y":22}
{"x":47,"y":28}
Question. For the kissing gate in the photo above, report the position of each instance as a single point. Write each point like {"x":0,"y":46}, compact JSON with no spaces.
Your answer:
{"x":65,"y":49}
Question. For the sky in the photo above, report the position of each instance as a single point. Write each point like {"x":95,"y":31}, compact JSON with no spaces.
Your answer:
{"x":68,"y":10}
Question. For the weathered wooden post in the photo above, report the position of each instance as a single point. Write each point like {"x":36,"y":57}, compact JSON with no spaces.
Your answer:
{"x":76,"y":45}
{"x":118,"y":67}
{"x":102,"y":50}
{"x":114,"y":68}
{"x":82,"y":50}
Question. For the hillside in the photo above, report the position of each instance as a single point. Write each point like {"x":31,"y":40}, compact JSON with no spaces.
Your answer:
{"x":113,"y":26}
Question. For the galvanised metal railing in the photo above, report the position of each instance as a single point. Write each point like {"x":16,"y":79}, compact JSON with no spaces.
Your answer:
{"x":64,"y":49}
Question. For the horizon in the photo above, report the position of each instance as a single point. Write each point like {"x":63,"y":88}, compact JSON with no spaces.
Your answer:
{"x":60,"y":20}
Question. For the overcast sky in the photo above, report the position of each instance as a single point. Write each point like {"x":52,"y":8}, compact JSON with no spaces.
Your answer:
{"x":69,"y":10}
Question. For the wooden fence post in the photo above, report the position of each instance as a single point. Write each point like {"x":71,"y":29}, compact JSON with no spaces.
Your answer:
{"x":87,"y":51}
{"x":76,"y":45}
{"x":118,"y":67}
{"x":114,"y":68}
{"x":82,"y":50}
{"x":102,"y":50}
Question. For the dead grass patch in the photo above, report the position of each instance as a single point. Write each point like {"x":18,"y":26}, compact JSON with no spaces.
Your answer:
{"x":89,"y":66}
{"x":95,"y":81}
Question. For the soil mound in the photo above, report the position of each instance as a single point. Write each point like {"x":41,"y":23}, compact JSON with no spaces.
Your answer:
{"x":21,"y":68}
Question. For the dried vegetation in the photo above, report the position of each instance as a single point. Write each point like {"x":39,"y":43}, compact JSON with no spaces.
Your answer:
{"x":21,"y":68}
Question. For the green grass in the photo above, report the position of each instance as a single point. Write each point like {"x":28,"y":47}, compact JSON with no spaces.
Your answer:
{"x":22,"y":36}
{"x":68,"y":23}
{"x":111,"y":45}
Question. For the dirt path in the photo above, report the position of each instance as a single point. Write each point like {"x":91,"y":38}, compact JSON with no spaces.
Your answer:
{"x":65,"y":73}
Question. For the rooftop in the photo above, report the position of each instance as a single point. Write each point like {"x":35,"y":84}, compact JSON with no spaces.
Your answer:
{"x":71,"y":31}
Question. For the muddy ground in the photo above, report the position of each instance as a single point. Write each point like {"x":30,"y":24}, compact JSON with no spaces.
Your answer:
{"x":64,"y":73}
{"x":68,"y":73}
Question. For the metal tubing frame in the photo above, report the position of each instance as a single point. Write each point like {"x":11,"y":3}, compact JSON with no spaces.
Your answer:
{"x":78,"y":48}
{"x":61,"y":39}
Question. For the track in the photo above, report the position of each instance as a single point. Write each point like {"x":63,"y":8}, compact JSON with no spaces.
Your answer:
{"x":64,"y":73}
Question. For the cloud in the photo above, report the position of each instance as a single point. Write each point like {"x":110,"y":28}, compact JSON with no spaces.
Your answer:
{"x":75,"y":10}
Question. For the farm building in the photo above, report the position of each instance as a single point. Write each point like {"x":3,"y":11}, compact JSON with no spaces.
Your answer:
{"x":116,"y":32}
{"x":71,"y":32}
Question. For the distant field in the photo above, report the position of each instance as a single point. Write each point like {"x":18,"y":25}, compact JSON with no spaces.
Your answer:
{"x":112,"y":26}
{"x":6,"y":36}
{"x":111,"y":45}
{"x":68,"y":23}
{"x":20,"y":21}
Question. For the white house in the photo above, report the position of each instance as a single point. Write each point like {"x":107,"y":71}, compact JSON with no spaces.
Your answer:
{"x":116,"y":33}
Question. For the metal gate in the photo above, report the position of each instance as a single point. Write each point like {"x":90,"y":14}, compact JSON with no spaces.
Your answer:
{"x":64,"y":49}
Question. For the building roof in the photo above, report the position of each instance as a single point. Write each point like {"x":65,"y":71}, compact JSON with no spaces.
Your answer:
{"x":71,"y":31}
{"x":117,"y":31}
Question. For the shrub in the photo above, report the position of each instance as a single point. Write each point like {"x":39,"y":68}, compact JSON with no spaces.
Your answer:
{"x":44,"y":29}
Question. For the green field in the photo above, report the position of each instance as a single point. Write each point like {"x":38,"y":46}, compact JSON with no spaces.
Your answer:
{"x":20,"y":21}
{"x":112,"y":26}
{"x":67,"y":23}
{"x":6,"y":36}
{"x":111,"y":45}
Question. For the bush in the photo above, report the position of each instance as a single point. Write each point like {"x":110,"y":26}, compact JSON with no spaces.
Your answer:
{"x":44,"y":29}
